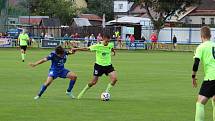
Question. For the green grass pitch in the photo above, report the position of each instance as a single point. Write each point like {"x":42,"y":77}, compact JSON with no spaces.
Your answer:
{"x":152,"y":86}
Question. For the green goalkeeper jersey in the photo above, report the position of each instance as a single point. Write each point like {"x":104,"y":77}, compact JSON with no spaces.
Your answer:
{"x":103,"y":53}
{"x":23,"y":38}
{"x":206,"y":53}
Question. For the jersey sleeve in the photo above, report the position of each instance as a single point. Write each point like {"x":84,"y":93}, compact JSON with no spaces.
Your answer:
{"x":93,"y":47}
{"x":50,"y":56}
{"x":198,"y":53}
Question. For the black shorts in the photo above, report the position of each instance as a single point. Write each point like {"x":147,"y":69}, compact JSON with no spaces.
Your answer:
{"x":100,"y":70}
{"x":23,"y":47}
{"x":208,"y":89}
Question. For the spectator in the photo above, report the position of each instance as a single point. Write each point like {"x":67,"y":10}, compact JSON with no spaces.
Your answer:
{"x":174,"y":40}
{"x":154,"y":40}
{"x":46,"y":36}
{"x":143,"y":39}
{"x":92,"y":38}
{"x":99,"y":38}
{"x":42,"y":35}
{"x":119,"y":41}
{"x":86,"y":39}
{"x":66,"y":40}
{"x":132,"y":40}
{"x":76,"y":36}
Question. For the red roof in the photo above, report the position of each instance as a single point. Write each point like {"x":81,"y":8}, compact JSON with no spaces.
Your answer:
{"x":90,"y":17}
{"x":33,"y":21}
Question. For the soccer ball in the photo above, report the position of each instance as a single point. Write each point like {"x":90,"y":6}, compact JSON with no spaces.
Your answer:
{"x":105,"y":96}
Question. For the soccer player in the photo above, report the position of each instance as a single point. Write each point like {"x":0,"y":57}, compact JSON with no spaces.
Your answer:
{"x":58,"y":59}
{"x":205,"y":53}
{"x":23,"y":42}
{"x":103,"y":63}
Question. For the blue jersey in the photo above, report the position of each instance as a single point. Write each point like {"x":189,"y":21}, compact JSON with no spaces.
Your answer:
{"x":57,"y":62}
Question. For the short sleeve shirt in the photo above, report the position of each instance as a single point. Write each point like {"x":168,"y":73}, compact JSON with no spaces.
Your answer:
{"x":103,"y":53}
{"x":206,"y":53}
{"x":23,"y":39}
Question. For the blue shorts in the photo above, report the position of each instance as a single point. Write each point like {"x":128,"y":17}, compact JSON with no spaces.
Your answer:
{"x":58,"y":73}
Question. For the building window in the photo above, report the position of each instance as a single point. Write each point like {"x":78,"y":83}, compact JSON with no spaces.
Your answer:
{"x":212,"y":21}
{"x":203,"y":21}
{"x":120,"y":6}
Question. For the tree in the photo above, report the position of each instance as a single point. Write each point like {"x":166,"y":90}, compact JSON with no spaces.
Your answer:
{"x":2,"y":5}
{"x":164,"y":9}
{"x":100,"y":7}
{"x":65,"y":10}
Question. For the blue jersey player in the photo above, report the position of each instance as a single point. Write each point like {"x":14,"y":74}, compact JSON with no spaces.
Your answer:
{"x":58,"y":59}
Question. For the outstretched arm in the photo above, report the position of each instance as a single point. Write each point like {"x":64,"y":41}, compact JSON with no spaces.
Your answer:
{"x":80,"y":49}
{"x":38,"y":62}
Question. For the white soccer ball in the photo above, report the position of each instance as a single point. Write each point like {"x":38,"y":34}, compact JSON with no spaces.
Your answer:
{"x":105,"y":96}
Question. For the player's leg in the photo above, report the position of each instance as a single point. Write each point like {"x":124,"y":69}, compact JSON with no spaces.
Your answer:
{"x":44,"y":87}
{"x":113,"y":78}
{"x":73,"y":77}
{"x":213,"y":105}
{"x":88,"y":86}
{"x":23,"y":52}
{"x":200,"y":108}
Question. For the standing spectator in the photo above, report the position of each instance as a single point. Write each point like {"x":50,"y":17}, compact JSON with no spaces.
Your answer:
{"x":42,"y":35}
{"x":132,"y":40}
{"x":86,"y":39}
{"x":91,"y":39}
{"x":174,"y":40}
{"x":154,"y":40}
{"x":119,"y":41}
{"x":46,"y":36}
{"x":99,"y":38}
{"x":66,"y":40}
{"x":76,"y":36}
{"x":143,"y":39}
{"x":127,"y":40}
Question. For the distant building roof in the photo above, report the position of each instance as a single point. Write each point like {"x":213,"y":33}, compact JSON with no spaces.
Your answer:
{"x":34,"y":20}
{"x":131,"y":20}
{"x":80,"y":22}
{"x":90,"y":17}
{"x":50,"y":22}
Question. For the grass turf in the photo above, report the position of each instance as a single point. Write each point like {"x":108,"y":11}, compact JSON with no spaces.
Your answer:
{"x":152,"y":86}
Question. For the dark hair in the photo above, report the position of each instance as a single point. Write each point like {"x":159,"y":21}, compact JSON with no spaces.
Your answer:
{"x":106,"y":36}
{"x":59,"y":50}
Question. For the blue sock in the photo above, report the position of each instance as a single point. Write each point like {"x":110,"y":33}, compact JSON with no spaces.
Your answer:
{"x":71,"y":85}
{"x":43,"y":88}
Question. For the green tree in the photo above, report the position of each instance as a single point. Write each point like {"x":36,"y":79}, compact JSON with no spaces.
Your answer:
{"x":164,"y":9}
{"x":65,"y":10}
{"x":2,"y":5}
{"x":100,"y":7}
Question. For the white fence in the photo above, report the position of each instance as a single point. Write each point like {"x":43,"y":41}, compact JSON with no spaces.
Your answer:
{"x":184,"y":35}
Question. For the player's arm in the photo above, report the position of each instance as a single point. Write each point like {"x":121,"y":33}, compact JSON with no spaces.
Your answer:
{"x":195,"y":69}
{"x":80,"y":49}
{"x":113,"y":51}
{"x":38,"y":62}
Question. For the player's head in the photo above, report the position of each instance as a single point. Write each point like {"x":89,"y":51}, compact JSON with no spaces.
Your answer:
{"x":106,"y":39}
{"x":59,"y":51}
{"x":205,"y":33}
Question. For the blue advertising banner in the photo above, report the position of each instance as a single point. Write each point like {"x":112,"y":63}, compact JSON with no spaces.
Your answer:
{"x":46,"y":43}
{"x":137,"y":45}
